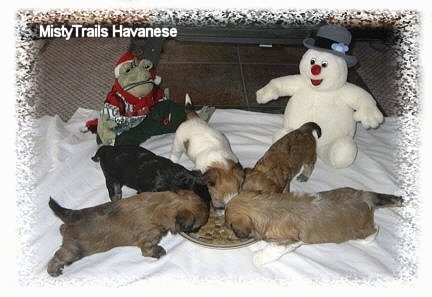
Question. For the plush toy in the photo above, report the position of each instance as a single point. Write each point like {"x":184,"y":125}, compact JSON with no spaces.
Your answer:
{"x":136,"y":108}
{"x":321,"y":94}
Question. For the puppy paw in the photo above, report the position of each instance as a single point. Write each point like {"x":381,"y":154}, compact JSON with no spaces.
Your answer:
{"x":54,"y":268}
{"x":115,"y":191}
{"x":158,"y":252}
{"x":369,"y":239}
{"x":273,"y":252}
{"x":115,"y":197}
{"x":154,"y":252}
{"x":302,"y":178}
{"x":184,"y":221}
{"x":262,"y":257}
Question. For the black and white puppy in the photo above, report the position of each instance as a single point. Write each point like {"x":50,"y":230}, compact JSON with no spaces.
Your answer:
{"x":144,"y":171}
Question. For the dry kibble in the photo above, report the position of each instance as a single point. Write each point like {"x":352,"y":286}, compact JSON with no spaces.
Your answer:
{"x":216,"y":234}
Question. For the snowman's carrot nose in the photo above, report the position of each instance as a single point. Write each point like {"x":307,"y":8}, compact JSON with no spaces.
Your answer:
{"x":316,"y":69}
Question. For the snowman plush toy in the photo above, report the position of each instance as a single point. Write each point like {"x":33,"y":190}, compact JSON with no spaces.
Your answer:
{"x":321,"y":94}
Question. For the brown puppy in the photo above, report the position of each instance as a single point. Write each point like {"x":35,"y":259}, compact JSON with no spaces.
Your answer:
{"x":141,"y":220}
{"x":283,"y":160}
{"x":291,"y":219}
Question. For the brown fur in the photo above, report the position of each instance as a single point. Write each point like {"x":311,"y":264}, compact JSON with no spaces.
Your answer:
{"x":190,"y":114}
{"x":223,"y":181}
{"x":211,"y":152}
{"x":285,"y":218}
{"x":283,"y":160}
{"x":186,"y":145}
{"x":141,"y":220}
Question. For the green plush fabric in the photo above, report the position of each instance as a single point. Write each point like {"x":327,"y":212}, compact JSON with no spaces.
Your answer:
{"x":206,"y":112}
{"x":155,"y":123}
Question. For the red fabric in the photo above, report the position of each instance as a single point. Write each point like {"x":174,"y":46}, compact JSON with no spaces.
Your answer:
{"x":125,"y":57}
{"x":152,"y":73}
{"x":141,"y":105}
{"x":92,"y":125}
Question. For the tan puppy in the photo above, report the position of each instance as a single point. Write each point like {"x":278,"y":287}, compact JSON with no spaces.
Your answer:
{"x":289,"y":220}
{"x":141,"y":220}
{"x":211,"y":153}
{"x":283,"y":160}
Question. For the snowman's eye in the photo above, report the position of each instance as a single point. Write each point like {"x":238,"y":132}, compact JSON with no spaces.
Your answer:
{"x":312,"y":61}
{"x":324,"y":64}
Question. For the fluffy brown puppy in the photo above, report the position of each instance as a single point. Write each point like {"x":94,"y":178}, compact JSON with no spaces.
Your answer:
{"x":289,"y":220}
{"x":284,"y":160}
{"x":141,"y":220}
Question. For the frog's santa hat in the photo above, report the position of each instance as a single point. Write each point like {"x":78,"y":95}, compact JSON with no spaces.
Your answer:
{"x":129,"y":57}
{"x":332,"y":39}
{"x":125,"y":58}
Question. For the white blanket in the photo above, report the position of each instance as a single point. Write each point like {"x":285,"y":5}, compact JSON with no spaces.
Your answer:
{"x":63,"y":170}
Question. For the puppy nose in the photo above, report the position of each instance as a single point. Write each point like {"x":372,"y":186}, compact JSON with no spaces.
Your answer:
{"x":316,"y":69}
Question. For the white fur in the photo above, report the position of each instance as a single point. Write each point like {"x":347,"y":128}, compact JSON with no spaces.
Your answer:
{"x":335,"y":105}
{"x":370,"y":238}
{"x":273,"y":252}
{"x":206,"y":145}
{"x":227,"y":198}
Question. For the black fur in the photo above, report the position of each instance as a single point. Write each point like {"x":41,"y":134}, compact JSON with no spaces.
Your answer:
{"x":386,"y":200}
{"x":311,"y":126}
{"x":144,"y":171}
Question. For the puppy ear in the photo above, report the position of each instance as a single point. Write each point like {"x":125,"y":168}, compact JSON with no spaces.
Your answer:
{"x":184,"y":221}
{"x":238,"y":172}
{"x":242,"y":227}
{"x":210,"y":177}
{"x":200,"y":178}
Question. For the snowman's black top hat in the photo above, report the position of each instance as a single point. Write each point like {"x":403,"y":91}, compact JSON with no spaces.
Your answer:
{"x":333,"y":39}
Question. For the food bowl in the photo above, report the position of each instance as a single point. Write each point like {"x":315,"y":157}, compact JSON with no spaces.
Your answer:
{"x":215,"y":234}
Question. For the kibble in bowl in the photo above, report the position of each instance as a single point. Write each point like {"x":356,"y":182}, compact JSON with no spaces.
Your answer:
{"x":215,"y":234}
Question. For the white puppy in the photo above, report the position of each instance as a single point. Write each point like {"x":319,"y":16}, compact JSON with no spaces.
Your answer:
{"x":211,"y":153}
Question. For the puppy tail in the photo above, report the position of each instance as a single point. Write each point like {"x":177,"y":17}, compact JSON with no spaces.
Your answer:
{"x":188,"y":103}
{"x":74,"y":216}
{"x":69,"y":216}
{"x":189,"y":108}
{"x":386,"y":200}
{"x":62,"y":213}
{"x":310,"y":127}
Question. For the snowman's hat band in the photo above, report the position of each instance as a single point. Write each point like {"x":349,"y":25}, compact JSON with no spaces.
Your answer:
{"x":333,"y":39}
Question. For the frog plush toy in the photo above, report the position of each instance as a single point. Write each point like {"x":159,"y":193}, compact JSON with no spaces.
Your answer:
{"x":136,"y":108}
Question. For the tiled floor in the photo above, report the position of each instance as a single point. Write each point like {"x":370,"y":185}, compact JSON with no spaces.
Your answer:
{"x":226,"y":75}
{"x":79,"y":73}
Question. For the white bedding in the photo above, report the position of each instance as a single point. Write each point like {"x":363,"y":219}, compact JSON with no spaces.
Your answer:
{"x":63,"y":170}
